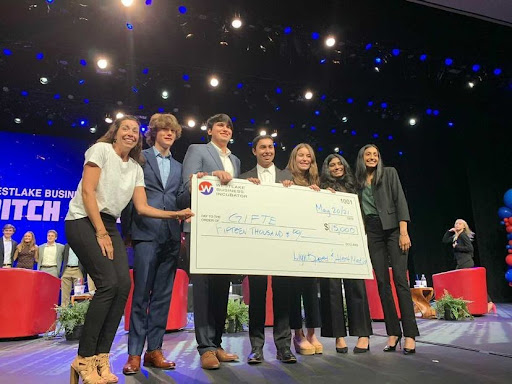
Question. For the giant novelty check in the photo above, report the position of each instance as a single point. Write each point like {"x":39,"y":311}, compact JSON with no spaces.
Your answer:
{"x":247,"y":229}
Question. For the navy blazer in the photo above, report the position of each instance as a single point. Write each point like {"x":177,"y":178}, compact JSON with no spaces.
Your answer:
{"x":202,"y":158}
{"x":390,"y":199}
{"x":160,"y":196}
{"x":13,"y":249}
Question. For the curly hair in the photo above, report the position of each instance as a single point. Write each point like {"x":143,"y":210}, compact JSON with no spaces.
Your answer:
{"x":110,"y":137}
{"x":162,"y":121}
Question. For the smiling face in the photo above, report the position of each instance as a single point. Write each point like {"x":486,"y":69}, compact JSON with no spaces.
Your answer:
{"x":371,"y":157}
{"x":303,"y":159}
{"x":336,"y":168}
{"x":51,"y":237}
{"x":8,"y":232}
{"x":264,"y":152}
{"x":127,"y":135}
{"x":165,"y":138}
{"x":221,"y":133}
{"x":27,"y":238}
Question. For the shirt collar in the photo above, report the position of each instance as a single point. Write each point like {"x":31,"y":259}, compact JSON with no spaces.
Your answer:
{"x":228,"y":152}
{"x":260,"y":169}
{"x":158,"y":154}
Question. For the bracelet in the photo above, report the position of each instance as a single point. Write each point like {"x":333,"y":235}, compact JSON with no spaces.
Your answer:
{"x":102,"y":235}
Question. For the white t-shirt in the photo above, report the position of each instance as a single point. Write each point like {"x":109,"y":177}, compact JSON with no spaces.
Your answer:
{"x":118,"y":180}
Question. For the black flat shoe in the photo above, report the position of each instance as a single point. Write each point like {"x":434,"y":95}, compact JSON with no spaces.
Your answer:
{"x":392,"y":348}
{"x":285,"y":355}
{"x":256,"y":356}
{"x":342,"y":349}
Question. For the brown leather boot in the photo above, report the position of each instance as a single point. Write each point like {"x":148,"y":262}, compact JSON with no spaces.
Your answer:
{"x":156,"y":359}
{"x":209,"y":360}
{"x":132,"y":366}
{"x":87,"y":369}
{"x":104,"y":368}
{"x":224,"y":356}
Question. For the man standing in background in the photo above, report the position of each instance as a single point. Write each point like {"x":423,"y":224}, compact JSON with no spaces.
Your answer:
{"x":7,"y":246}
{"x":51,"y":254}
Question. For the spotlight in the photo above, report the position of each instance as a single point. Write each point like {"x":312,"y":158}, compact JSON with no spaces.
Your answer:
{"x":43,"y":80}
{"x":182,"y":9}
{"x":263,"y":132}
{"x":236,"y":23}
{"x":378,"y":60}
{"x":475,"y":67}
{"x":497,"y":71}
{"x":231,"y":141}
{"x":395,"y":52}
{"x":337,"y":149}
{"x":330,"y":41}
{"x":129,"y":26}
{"x":191,"y":123}
{"x":273,"y":134}
{"x":423,"y":57}
{"x":287,"y":30}
{"x":315,"y":35}
{"x":412,"y":121}
{"x":344,"y":119}
{"x":102,"y":63}
{"x":92,"y":129}
{"x":448,"y":61}
{"x":83,"y":122}
{"x":203,"y":127}
{"x":214,"y":82}
{"x":17,"y":120}
{"x":127,"y":3}
{"x":283,"y":148}
{"x":108,"y":119}
{"x":119,"y":115}
{"x":165,"y":95}
{"x":376,"y":69}
{"x":308,"y":95}
{"x":471,"y":84}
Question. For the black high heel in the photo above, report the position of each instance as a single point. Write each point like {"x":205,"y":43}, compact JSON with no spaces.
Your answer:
{"x":342,"y":349}
{"x":409,"y":351}
{"x":392,"y":348}
{"x":362,"y":350}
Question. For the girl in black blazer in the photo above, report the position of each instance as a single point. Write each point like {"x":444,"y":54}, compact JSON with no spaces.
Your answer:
{"x":460,"y":236}
{"x":386,"y":216}
{"x":337,"y":177}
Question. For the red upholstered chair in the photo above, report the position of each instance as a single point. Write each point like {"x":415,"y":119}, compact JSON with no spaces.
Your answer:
{"x":469,"y":283}
{"x":27,"y":301}
{"x":177,"y":317}
{"x":372,"y":291}
{"x":269,"y":311}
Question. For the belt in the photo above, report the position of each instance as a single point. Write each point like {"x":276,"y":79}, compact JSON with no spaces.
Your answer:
{"x":7,"y":265}
{"x":48,"y":266}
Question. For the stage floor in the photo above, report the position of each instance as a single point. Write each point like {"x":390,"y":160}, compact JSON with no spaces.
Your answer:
{"x":478,"y":351}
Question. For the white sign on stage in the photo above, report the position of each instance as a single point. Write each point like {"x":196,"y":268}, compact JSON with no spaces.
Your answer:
{"x":247,"y":229}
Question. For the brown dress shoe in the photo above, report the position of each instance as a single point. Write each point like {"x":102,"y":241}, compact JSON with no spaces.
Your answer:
{"x":156,"y":359}
{"x":132,"y":366}
{"x":224,"y":356}
{"x":209,"y":360}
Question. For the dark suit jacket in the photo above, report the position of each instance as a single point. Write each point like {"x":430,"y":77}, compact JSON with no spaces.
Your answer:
{"x":65,"y":262}
{"x":201,"y":158}
{"x":13,"y":249}
{"x":390,"y":199}
{"x":160,"y":196}
{"x":464,"y":245}
{"x":281,"y":175}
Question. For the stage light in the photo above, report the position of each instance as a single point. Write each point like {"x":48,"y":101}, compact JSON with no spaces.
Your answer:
{"x":390,"y":137}
{"x":323,"y":97}
{"x":127,"y":3}
{"x":40,"y":56}
{"x":315,"y":35}
{"x":92,"y":129}
{"x":165,"y":95}
{"x":330,"y":41}
{"x":145,"y":71}
{"x":497,"y":71}
{"x":353,"y":133}
{"x":322,"y":61}
{"x":412,"y":121}
{"x":83,"y":62}
{"x":236,"y":23}
{"x":263,"y":132}
{"x":344,"y":119}
{"x":119,"y":115}
{"x":400,"y":153}
{"x":240,"y":85}
{"x":191,"y":123}
{"x":129,"y":26}
{"x":273,"y":134}
{"x":231,"y":141}
{"x":252,"y":121}
{"x":428,"y":111}
{"x":317,"y":113}
{"x":83,"y":122}
{"x":214,"y":82}
{"x":279,"y":90}
{"x":450,"y":124}
{"x":203,"y":127}
{"x":376,"y":69}
{"x":7,"y":52}
{"x":308,"y":95}
{"x":375,"y":135}
{"x":383,"y":105}
{"x":86,"y":101}
{"x":283,"y":148}
{"x":350,"y":100}
{"x":17,"y":120}
{"x":435,"y":112}
{"x":287,"y":30}
{"x":448,"y":61}
{"x":43,"y":80}
{"x":475,"y":67}
{"x":337,"y":149}
{"x":49,"y":1}
{"x":24,"y":93}
{"x":471,"y":84}
{"x":185,"y":77}
{"x":148,"y":2}
{"x":102,"y":63}
{"x":108,"y":119}
{"x":56,"y":96}
{"x":395,"y":52}
{"x":50,"y":122}
{"x":182,"y":9}
{"x":378,"y":60}
{"x":370,"y":103}
{"x":333,"y":130}
{"x":368,"y":46}
{"x":81,"y":81}
{"x":313,"y":128}
{"x":423,"y":57}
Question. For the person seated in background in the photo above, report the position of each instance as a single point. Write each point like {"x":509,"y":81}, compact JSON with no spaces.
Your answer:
{"x":51,"y":254}
{"x":26,"y":252}
{"x":7,"y":246}
{"x":72,"y":272}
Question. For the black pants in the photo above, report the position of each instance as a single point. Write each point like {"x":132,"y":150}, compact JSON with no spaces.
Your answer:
{"x":307,"y":289}
{"x":112,"y":280}
{"x":257,"y":310}
{"x":384,"y":252}
{"x":332,"y":308}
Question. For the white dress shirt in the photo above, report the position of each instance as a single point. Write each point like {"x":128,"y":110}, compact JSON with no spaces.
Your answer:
{"x":7,"y":250}
{"x":225,"y":160}
{"x":266,"y":175}
{"x":50,"y":255}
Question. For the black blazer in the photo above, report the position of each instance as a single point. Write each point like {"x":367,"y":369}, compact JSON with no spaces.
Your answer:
{"x":281,"y":175}
{"x":390,"y":199}
{"x":13,"y":249}
{"x":464,"y":245}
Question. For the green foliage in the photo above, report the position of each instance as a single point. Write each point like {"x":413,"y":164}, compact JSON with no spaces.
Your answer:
{"x":457,"y":306}
{"x":68,"y":317}
{"x":238,"y":314}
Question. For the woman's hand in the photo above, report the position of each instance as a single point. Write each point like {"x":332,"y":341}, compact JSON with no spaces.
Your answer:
{"x":330,"y":189}
{"x":105,"y":243}
{"x":314,"y":187}
{"x":405,"y":242}
{"x":287,"y":183}
{"x":452,"y":230}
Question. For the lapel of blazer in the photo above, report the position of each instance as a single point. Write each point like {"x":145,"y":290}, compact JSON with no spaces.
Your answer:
{"x":151,"y":160}
{"x":173,"y":174}
{"x":215,"y":155}
{"x":235,"y":166}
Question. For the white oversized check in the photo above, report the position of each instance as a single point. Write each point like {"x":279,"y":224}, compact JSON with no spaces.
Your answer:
{"x":247,"y":229}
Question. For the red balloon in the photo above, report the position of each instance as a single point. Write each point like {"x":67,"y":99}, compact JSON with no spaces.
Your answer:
{"x":506,"y":219}
{"x":509,"y":228}
{"x":510,"y":242}
{"x":510,"y":251}
{"x":508,"y":259}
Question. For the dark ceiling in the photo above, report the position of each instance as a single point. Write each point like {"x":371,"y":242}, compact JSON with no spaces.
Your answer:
{"x":250,"y":63}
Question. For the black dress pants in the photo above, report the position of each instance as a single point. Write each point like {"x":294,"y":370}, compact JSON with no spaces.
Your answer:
{"x":384,"y":252}
{"x":112,"y":280}
{"x":332,"y":308}
{"x":305,"y":288}
{"x":257,"y":310}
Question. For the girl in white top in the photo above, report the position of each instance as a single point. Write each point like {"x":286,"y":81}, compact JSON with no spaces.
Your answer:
{"x":112,"y":177}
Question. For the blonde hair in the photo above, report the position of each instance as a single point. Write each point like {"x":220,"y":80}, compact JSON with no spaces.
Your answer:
{"x":160,"y":121}
{"x":308,"y":177}
{"x":32,"y":244}
{"x":466,"y":229}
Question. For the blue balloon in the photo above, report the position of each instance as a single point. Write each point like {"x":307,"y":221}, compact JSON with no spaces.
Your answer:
{"x":507,"y":198}
{"x":509,"y":236}
{"x":508,"y":246}
{"x":508,"y":275}
{"x":504,"y":212}
{"x":502,"y":222}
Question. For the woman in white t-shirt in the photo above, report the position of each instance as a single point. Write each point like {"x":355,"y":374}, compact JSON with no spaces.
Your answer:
{"x":112,"y":177}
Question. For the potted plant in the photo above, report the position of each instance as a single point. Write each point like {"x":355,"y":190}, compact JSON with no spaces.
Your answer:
{"x":71,"y":318}
{"x":237,"y":316}
{"x":451,"y":308}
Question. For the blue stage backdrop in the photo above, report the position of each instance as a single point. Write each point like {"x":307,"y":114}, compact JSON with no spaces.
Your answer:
{"x":38,"y":178}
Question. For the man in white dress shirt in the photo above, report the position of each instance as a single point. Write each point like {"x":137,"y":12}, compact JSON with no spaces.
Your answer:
{"x":51,"y":254}
{"x":7,"y":246}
